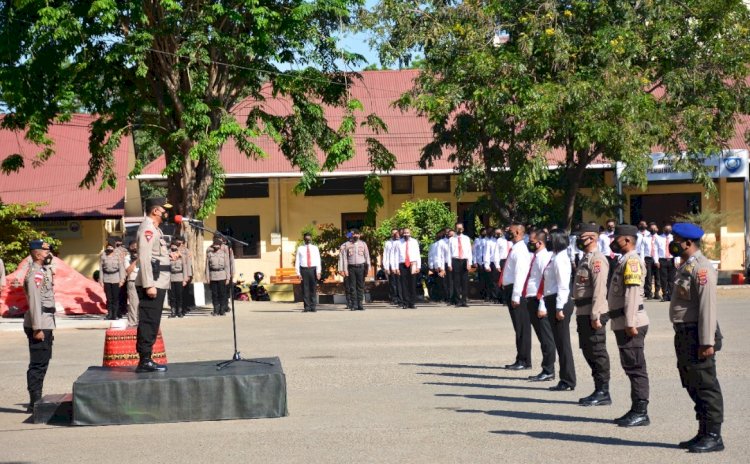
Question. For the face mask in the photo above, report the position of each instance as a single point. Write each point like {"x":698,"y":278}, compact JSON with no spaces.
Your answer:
{"x":654,"y":231}
{"x":132,"y":252}
{"x":615,"y":247}
{"x":498,"y":235}
{"x":483,"y":234}
{"x":667,"y":231}
{"x":109,"y":250}
{"x":509,"y":236}
{"x":641,"y":228}
{"x":581,"y":243}
{"x":308,"y":241}
{"x":407,"y":236}
{"x":675,"y":248}
{"x":173,"y":248}
{"x":531,"y":246}
{"x":459,"y":231}
{"x":354,"y":239}
{"x":611,"y":228}
{"x":48,"y":260}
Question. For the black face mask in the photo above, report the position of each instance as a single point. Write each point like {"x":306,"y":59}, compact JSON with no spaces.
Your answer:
{"x":668,"y":232}
{"x":483,"y":234}
{"x":308,"y":241}
{"x":509,"y":236}
{"x":48,"y":260}
{"x":498,"y":235}
{"x":406,"y":236}
{"x":615,"y":247}
{"x":654,"y":232}
{"x":531,"y":246}
{"x":173,"y":248}
{"x":675,"y":249}
{"x":641,"y":228}
{"x":460,"y":231}
{"x":109,"y":250}
{"x":354,"y":239}
{"x":582,"y":243}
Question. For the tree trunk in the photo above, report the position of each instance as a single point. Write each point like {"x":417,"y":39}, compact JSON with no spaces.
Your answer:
{"x":574,"y":175}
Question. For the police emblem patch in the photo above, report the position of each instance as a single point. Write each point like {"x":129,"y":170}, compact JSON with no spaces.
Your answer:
{"x":632,"y":273}
{"x":149,"y":235}
{"x":597,"y":267}
{"x":38,"y":278}
{"x":702,"y":276}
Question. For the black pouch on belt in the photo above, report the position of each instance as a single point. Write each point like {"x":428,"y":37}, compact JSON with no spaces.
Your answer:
{"x":155,"y":270}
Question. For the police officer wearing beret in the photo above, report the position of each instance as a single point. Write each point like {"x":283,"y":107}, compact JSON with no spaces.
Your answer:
{"x":630,"y":322}
{"x":151,"y":282}
{"x":39,"y":320}
{"x":693,"y":311}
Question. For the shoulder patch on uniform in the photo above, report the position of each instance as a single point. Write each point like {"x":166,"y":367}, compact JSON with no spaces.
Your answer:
{"x":596,"y":267}
{"x":702,"y":276}
{"x":149,"y":235}
{"x":38,"y":278}
{"x":632,"y":274}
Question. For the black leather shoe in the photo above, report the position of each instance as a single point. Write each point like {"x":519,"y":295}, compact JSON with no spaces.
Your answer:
{"x":517,"y":366}
{"x":542,"y":377}
{"x":710,"y":441}
{"x":148,"y":365}
{"x":701,"y":431}
{"x":33,"y":398}
{"x":637,"y":416}
{"x":562,"y":386}
{"x":598,"y":398}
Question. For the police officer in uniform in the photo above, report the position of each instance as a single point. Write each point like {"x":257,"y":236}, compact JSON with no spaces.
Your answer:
{"x":177,"y":280}
{"x":152,"y":281}
{"x":357,"y":260}
{"x":342,"y":267}
{"x":39,"y":320}
{"x":112,"y":276}
{"x":590,"y":297}
{"x":131,"y":268}
{"x":122,"y":252}
{"x":217,"y":276}
{"x":630,"y":322}
{"x":188,"y":298}
{"x":693,"y":311}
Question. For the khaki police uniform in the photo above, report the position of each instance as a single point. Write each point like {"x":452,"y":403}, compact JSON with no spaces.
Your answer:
{"x":693,"y":311}
{"x":217,"y":271}
{"x":356,"y":258}
{"x":131,"y":289}
{"x":177,"y":281}
{"x":626,"y":309}
{"x":188,"y":298}
{"x":112,"y":275}
{"x":39,"y":288}
{"x":590,"y":296}
{"x":153,"y":263}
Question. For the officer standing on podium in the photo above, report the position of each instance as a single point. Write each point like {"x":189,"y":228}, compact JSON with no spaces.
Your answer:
{"x":693,"y":311}
{"x":152,"y":281}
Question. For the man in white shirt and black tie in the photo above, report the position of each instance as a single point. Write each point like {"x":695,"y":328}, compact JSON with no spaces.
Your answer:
{"x":461,"y":259}
{"x":478,"y":261}
{"x":657,"y":254}
{"x":436,"y":267}
{"x":533,"y":292}
{"x":666,"y":264}
{"x":308,"y":269}
{"x":514,"y":273}
{"x":643,"y":248}
{"x":390,"y":266}
{"x":445,"y":252}
{"x":409,"y":265}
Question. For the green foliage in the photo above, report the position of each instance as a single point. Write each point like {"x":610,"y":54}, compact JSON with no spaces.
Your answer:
{"x":425,"y":218}
{"x":508,"y":83}
{"x":711,"y":221}
{"x":16,"y":232}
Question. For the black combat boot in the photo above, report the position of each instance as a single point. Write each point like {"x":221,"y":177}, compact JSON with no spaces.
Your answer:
{"x":710,"y":441}
{"x":600,"y":397}
{"x":34,"y":396}
{"x":696,"y":438}
{"x":637,"y":416}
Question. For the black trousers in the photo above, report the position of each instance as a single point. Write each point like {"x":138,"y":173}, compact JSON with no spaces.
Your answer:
{"x":188,"y":298}
{"x":408,"y":286}
{"x":357,"y":285}
{"x":40,"y":353}
{"x":219,"y":297}
{"x":112,"y":291}
{"x":561,"y":334}
{"x":666,"y":277}
{"x":698,"y":376}
{"x":460,"y":281}
{"x":176,"y":297}
{"x":448,"y":286}
{"x":633,"y":361}
{"x":648,"y":286}
{"x":593,"y":344}
{"x":482,"y":278}
{"x":394,"y":288}
{"x":149,"y":320}
{"x":347,"y":293}
{"x":122,"y":306}
{"x":521,"y":326}
{"x":309,"y":287}
{"x":493,"y":288}
{"x":543,"y":330}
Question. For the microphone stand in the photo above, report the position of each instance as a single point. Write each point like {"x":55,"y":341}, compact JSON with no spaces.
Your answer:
{"x":236,"y":356}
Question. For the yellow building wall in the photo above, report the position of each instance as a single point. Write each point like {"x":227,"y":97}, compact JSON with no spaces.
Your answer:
{"x":82,"y":254}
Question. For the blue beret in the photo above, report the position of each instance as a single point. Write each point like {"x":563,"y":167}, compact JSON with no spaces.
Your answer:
{"x":348,"y":235}
{"x":687,"y":230}
{"x":36,"y":245}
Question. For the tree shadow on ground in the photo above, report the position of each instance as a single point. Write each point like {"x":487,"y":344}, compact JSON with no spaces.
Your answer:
{"x":485,"y":385}
{"x":510,"y":399}
{"x":589,"y":439}
{"x":451,"y":366}
{"x":470,"y":376}
{"x":539,"y":416}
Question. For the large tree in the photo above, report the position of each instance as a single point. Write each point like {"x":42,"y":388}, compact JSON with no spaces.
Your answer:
{"x":511,"y":84}
{"x":175,"y":70}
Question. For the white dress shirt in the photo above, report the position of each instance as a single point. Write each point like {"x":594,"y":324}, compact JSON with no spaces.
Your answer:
{"x":414,"y":257}
{"x":540,"y":259}
{"x":643,"y":244}
{"x":445,"y":254}
{"x":557,"y":279}
{"x":465,"y":247}
{"x":490,"y":250}
{"x":432,"y":255}
{"x":661,"y":246}
{"x":387,"y":254}
{"x":301,"y":260}
{"x":573,"y":251}
{"x":604,"y":241}
{"x":502,"y":250}
{"x":478,"y":251}
{"x":667,"y":240}
{"x":516,"y":269}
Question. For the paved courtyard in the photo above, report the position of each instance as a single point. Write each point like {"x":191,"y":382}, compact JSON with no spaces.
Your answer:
{"x":383,"y":386}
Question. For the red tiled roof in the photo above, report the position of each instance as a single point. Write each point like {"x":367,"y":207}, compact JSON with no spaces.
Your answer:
{"x":407,"y":133}
{"x":55,"y":182}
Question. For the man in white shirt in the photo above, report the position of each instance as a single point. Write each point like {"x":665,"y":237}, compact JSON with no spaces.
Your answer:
{"x":308,"y":267}
{"x":502,"y":250}
{"x":533,"y":292}
{"x":444,"y":251}
{"x":436,"y":266}
{"x":612,"y":257}
{"x":478,"y":260}
{"x":643,"y":248}
{"x":491,"y":269}
{"x":390,"y":266}
{"x":514,"y":273}
{"x":657,"y":254}
{"x":409,"y":265}
{"x":461,"y":259}
{"x":666,"y":264}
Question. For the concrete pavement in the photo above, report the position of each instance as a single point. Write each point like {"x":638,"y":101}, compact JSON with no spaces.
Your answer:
{"x":385,"y":385}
